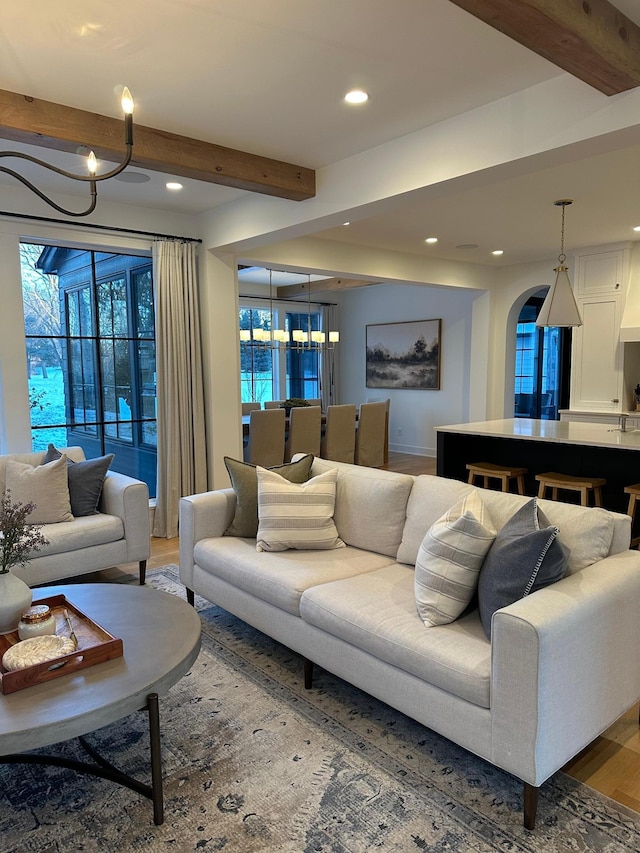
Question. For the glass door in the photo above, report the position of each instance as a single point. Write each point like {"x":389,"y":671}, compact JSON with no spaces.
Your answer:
{"x":542,"y":366}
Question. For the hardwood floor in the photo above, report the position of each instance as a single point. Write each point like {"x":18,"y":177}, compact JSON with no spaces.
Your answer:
{"x":611,"y":764}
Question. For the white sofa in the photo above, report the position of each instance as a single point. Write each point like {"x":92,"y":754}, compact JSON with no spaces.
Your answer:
{"x":562,"y":664}
{"x":118,"y":533}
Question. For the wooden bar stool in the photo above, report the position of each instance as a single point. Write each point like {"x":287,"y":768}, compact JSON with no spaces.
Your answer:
{"x":634,"y":494}
{"x":489,"y":471}
{"x":583,"y":485}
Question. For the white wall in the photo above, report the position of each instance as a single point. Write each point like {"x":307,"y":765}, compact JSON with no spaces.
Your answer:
{"x":464,"y":333}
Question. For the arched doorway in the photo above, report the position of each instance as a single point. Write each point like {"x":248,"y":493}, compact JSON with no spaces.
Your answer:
{"x":543,"y":363}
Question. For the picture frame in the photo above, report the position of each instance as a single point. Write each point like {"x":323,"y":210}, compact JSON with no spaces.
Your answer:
{"x":404,"y":355}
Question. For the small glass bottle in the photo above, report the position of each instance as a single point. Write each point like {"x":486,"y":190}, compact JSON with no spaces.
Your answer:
{"x":36,"y":621}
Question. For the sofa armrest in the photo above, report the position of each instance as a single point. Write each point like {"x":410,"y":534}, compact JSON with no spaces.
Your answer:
{"x":202,"y":516}
{"x":565,"y":666}
{"x":129,"y":500}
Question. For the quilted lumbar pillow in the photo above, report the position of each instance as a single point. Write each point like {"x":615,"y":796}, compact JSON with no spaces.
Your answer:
{"x":526,"y":555}
{"x":44,"y":485}
{"x":244,"y":480}
{"x":449,"y":560}
{"x":294,"y":515}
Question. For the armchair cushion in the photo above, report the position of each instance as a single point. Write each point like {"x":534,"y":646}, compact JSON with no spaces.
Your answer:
{"x":44,"y":485}
{"x":86,"y":480}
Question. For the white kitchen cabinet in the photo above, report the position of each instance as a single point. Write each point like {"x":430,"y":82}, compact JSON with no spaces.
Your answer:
{"x":601,"y":272}
{"x":598,"y":355}
{"x":597,"y":360}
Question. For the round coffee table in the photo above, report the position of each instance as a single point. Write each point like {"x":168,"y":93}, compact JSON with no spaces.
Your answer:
{"x":161,"y":640}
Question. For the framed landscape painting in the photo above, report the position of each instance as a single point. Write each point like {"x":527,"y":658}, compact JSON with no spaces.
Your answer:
{"x":404,"y":355}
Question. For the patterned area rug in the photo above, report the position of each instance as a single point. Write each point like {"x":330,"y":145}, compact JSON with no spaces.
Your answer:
{"x":253,"y":762}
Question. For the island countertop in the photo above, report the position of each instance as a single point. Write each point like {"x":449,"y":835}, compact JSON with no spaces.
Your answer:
{"x":562,"y":432}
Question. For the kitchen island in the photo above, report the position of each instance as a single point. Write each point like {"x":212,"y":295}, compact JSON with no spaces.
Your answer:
{"x":580,"y":449}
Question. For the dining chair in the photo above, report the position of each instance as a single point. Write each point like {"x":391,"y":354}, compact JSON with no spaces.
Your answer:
{"x":339,"y":439}
{"x":387,"y":402}
{"x":247,"y":408}
{"x":370,"y":435}
{"x":273,"y":404}
{"x":305,"y":424}
{"x":266,"y":437}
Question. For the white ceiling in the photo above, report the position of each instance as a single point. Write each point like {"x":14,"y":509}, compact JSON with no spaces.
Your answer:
{"x":268,"y":77}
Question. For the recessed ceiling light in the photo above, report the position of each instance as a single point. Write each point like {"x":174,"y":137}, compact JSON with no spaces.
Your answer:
{"x":346,"y":223}
{"x":173,"y":185}
{"x":431,"y":240}
{"x":133,"y":177}
{"x":637,"y":228}
{"x":498,"y":252}
{"x":356,"y":96}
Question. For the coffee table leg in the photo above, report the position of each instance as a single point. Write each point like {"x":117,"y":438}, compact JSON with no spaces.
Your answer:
{"x":156,"y":759}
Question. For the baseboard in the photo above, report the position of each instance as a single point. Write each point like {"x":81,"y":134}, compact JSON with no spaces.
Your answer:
{"x":412,"y":451}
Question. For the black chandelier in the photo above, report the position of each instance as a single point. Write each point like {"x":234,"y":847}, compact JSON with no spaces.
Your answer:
{"x":92,"y":164}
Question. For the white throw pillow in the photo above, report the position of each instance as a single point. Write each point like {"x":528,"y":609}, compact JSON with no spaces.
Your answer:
{"x":47,"y":486}
{"x":449,"y":560}
{"x":292,"y":515}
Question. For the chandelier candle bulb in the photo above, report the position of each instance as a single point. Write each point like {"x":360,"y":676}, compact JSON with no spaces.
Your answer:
{"x":334,"y":337}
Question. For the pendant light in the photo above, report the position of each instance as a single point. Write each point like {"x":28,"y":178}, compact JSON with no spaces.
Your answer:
{"x":308,"y":339}
{"x":560,"y":307}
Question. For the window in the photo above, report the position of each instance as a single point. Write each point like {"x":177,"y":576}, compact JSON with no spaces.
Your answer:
{"x":542,"y":365}
{"x":89,"y":327}
{"x":276,"y":374}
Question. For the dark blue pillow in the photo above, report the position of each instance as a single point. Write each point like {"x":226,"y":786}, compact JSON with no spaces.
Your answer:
{"x":526,"y":555}
{"x":86,"y":480}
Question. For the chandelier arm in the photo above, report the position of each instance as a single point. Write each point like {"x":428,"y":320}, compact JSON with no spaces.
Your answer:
{"x":50,"y":202}
{"x":86,"y":178}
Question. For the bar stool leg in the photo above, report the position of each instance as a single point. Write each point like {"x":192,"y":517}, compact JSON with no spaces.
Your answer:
{"x":597,"y":496}
{"x":554,"y":493}
{"x":520,"y":484}
{"x":541,"y":490}
{"x":471,"y":478}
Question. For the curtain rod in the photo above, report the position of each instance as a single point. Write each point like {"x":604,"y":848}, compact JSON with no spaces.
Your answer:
{"x":95,"y":226}
{"x":290,"y":300}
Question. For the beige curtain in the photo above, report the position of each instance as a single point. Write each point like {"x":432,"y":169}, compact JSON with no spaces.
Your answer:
{"x":182,"y":462}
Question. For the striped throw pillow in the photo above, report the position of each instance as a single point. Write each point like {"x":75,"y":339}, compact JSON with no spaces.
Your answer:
{"x":292,"y":515}
{"x":449,"y":560}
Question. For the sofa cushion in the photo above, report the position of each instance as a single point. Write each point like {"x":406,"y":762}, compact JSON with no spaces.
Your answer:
{"x":587,"y":532}
{"x":370,"y":505}
{"x":450,"y":559}
{"x":85,"y":532}
{"x":44,"y":485}
{"x":526,"y":555}
{"x":86,"y":479}
{"x":280,"y":577}
{"x":244,"y":480}
{"x":376,"y":613}
{"x":296,"y":515}
{"x":430,"y":498}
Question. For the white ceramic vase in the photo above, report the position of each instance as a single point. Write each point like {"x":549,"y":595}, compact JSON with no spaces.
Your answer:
{"x":15,"y":597}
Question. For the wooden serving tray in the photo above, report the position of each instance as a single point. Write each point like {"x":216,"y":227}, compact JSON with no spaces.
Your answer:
{"x":95,"y":645}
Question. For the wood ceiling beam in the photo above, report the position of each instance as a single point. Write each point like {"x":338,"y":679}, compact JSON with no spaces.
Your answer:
{"x":590,"y":39}
{"x":286,"y":291}
{"x":35,"y":122}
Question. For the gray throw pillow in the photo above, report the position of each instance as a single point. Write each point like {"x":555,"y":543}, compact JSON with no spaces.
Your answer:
{"x":86,"y":480}
{"x":244,"y":479}
{"x":525,"y":556}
